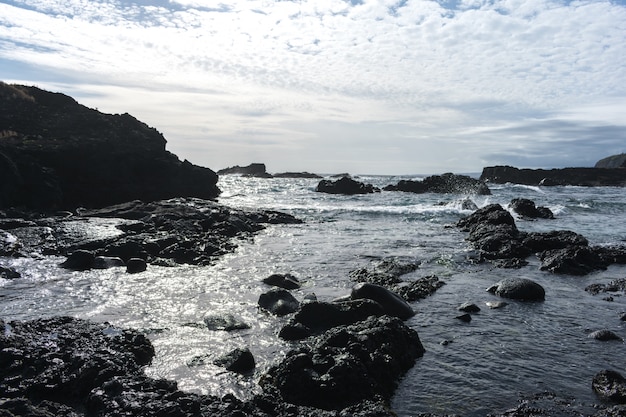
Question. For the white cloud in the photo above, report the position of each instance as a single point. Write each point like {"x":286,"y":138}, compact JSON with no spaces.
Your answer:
{"x":294,"y":76}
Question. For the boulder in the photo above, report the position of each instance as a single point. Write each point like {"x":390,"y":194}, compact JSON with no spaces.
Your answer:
{"x":386,"y":272}
{"x":346,"y":365}
{"x":9,"y":273}
{"x":444,"y":184}
{"x":279,"y":302}
{"x":136,"y":265}
{"x":286,"y":281}
{"x":604,"y":335}
{"x":225,"y":321}
{"x":240,"y":361}
{"x":469,"y":308}
{"x":105,"y":262}
{"x":518,"y":289}
{"x":80,"y":260}
{"x":527,"y":208}
{"x":572,"y":260}
{"x":392,"y":303}
{"x":345,"y":185}
{"x":418,"y":289}
{"x":610,"y":385}
{"x":317,"y":317}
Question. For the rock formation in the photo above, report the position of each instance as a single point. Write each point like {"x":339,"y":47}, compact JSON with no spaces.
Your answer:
{"x":443,"y":184}
{"x":252,"y":170}
{"x":587,"y":177}
{"x":58,"y":154}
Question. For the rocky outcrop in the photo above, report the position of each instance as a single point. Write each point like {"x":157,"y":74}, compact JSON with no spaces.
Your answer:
{"x":447,"y":183}
{"x":346,"y":365}
{"x":345,"y":185}
{"x":177,"y":231}
{"x":58,"y":154}
{"x":614,"y":161}
{"x":587,"y":177}
{"x":493,"y":232}
{"x":527,"y":208}
{"x":252,"y":170}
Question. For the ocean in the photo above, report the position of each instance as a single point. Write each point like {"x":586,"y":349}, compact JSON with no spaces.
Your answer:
{"x":469,"y":369}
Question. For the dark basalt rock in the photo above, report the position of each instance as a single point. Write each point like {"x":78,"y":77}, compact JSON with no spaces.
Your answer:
{"x":392,"y":303}
{"x":176,"y":231}
{"x":227,"y":322}
{"x":418,"y":289}
{"x":105,"y":262}
{"x":240,"y":361}
{"x":586,"y":177}
{"x":345,"y":185}
{"x":604,"y":335}
{"x":296,"y":175}
{"x":346,"y":365}
{"x":465,"y":318}
{"x":610,"y":385}
{"x":613,"y":286}
{"x":58,"y":154}
{"x":317,"y":317}
{"x":444,"y":184}
{"x":286,"y":281}
{"x":9,"y":273}
{"x":136,"y":265}
{"x":469,"y":308}
{"x":527,"y":208}
{"x":80,"y":260}
{"x":556,"y":239}
{"x":279,"y":302}
{"x":572,"y":260}
{"x":386,"y":272}
{"x":252,"y":170}
{"x":518,"y":289}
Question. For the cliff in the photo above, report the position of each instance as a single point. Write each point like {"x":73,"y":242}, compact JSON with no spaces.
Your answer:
{"x":614,"y":161}
{"x":58,"y":154}
{"x":587,"y":177}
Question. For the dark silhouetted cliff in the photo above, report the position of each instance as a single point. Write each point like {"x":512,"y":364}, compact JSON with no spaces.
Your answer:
{"x":587,"y":177}
{"x":58,"y":154}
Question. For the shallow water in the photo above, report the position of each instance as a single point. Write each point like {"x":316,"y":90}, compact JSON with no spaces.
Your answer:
{"x":488,"y":363}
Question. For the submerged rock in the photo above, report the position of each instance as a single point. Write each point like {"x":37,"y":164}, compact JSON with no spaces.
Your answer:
{"x":518,"y":289}
{"x":226,"y":322}
{"x":604,"y":335}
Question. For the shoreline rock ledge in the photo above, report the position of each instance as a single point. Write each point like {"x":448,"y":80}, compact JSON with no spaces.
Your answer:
{"x":585,"y":177}
{"x":56,"y":154}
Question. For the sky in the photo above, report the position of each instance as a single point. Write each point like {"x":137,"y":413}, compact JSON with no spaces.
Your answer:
{"x":328,"y":86}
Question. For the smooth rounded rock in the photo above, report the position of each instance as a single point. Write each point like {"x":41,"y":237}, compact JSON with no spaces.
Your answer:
{"x":279,"y":302}
{"x":604,"y":335}
{"x":80,"y":260}
{"x":136,"y":265}
{"x":518,"y":289}
{"x":392,"y":303}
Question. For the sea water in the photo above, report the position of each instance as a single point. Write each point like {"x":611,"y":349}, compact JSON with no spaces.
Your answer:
{"x":468,"y":368}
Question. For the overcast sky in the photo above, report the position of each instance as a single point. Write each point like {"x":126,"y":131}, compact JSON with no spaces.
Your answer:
{"x":360,"y":86}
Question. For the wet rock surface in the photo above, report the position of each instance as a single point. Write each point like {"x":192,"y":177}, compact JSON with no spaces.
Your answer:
{"x":493,"y":232}
{"x":346,"y":365}
{"x":518,"y":289}
{"x":169,"y":232}
{"x":447,"y":183}
{"x":586,"y":177}
{"x":345,"y":185}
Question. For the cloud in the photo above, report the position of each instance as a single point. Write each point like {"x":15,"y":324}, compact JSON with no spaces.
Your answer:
{"x":459,"y":82}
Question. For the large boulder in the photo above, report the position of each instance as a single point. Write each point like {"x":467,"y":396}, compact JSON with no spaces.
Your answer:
{"x":278,"y":301}
{"x":518,"y":289}
{"x":527,"y":208}
{"x":346,"y":365}
{"x":610,"y":385}
{"x":58,"y":154}
{"x":345,"y":185}
{"x":392,"y":303}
